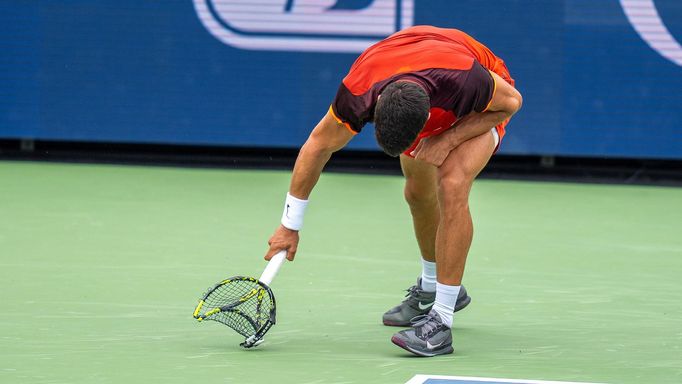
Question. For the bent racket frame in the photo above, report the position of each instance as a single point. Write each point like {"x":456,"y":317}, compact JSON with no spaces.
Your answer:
{"x":259,"y":293}
{"x":265,"y":315}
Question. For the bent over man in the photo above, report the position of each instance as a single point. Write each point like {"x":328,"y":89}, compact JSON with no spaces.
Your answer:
{"x":440,"y":100}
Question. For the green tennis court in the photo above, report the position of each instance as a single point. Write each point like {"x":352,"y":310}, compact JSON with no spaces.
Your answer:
{"x":101,"y":267}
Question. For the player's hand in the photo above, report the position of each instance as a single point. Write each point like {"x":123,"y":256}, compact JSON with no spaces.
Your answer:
{"x":433,"y":150}
{"x":283,"y":238}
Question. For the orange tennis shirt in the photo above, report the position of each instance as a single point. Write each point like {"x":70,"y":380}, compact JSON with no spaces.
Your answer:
{"x":450,"y":65}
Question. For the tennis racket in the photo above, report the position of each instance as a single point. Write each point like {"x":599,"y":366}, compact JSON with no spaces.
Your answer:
{"x":243,"y":303}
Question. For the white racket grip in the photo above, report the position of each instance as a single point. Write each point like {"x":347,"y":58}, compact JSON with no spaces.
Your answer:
{"x":273,"y":267}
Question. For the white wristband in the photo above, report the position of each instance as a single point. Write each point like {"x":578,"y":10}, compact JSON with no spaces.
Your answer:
{"x":294,"y":209}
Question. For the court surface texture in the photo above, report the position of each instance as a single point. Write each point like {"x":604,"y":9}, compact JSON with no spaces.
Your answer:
{"x":101,"y":267}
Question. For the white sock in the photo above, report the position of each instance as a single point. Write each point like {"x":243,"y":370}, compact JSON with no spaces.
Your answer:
{"x":446,"y":297}
{"x":428,"y":276}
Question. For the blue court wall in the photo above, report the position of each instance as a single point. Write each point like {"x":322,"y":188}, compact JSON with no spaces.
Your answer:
{"x":154,"y":72}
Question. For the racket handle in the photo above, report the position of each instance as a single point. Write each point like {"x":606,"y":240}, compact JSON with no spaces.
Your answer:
{"x":273,"y":267}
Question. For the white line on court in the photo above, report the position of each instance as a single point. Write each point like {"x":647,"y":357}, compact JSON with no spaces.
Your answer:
{"x":420,"y":379}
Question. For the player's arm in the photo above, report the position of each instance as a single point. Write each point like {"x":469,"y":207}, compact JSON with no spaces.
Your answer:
{"x":328,"y":137}
{"x":505,"y":102}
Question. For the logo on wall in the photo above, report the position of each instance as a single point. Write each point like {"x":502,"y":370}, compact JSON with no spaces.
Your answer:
{"x":644,"y":17}
{"x":345,"y":26}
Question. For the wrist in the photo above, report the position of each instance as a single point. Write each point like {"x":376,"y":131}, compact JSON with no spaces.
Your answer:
{"x":288,"y":229}
{"x":294,"y":210}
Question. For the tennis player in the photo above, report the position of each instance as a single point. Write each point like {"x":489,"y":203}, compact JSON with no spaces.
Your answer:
{"x":440,"y":100}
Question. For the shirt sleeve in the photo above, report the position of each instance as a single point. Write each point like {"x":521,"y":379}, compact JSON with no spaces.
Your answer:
{"x":351,"y":110}
{"x":476,"y":91}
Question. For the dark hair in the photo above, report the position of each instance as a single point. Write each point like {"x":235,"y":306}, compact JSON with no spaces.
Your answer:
{"x":400,"y":114}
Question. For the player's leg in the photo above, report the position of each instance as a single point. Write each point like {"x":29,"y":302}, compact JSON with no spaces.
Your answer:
{"x":432,"y":335}
{"x":455,"y":230}
{"x":421,"y":194}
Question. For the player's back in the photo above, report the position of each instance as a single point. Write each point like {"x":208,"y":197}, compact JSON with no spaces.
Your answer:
{"x":414,"y":49}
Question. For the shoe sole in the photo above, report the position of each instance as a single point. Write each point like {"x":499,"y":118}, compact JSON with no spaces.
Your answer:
{"x":399,"y":342}
{"x":458,"y":307}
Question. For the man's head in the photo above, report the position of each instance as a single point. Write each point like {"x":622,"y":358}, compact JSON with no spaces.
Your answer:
{"x":400,"y":114}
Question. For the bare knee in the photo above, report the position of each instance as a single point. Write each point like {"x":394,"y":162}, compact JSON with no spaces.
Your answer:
{"x":419,"y":196}
{"x":453,"y":190}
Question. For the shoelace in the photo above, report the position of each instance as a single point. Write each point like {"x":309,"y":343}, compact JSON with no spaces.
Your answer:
{"x":411,"y":296}
{"x":428,"y":322}
{"x":411,"y":291}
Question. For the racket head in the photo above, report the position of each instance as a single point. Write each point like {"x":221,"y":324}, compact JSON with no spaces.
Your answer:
{"x":243,"y":303}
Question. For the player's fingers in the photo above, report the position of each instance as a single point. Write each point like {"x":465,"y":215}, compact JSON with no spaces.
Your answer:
{"x":291,"y":253}
{"x":440,"y":159}
{"x":271,"y":252}
{"x":423,"y":149}
{"x":418,"y":148}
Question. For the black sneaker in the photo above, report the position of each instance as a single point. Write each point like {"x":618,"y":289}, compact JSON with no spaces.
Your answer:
{"x":418,"y":303}
{"x":427,"y":337}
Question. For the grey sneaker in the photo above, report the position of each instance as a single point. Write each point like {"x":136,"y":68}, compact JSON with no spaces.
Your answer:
{"x":418,"y":303}
{"x":427,"y":337}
